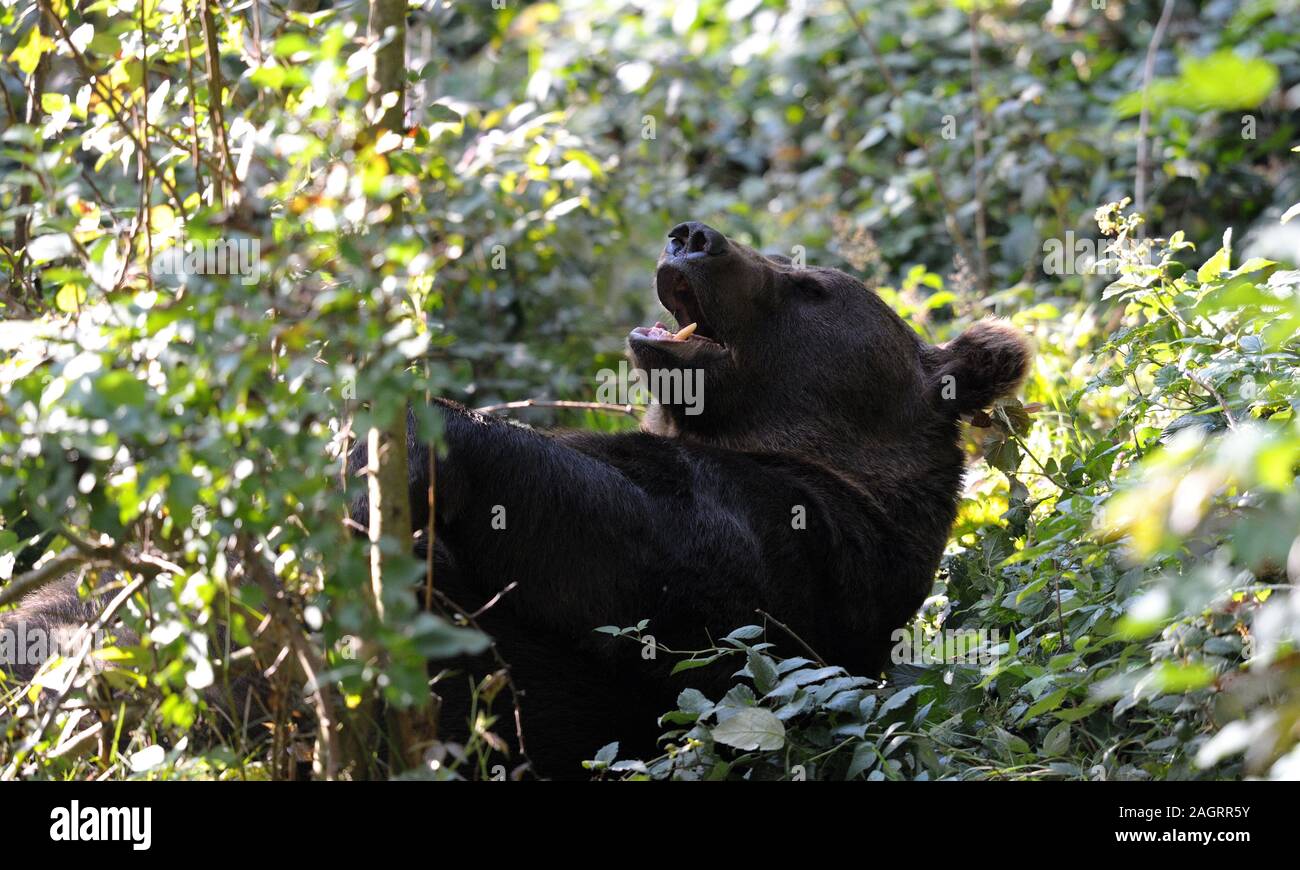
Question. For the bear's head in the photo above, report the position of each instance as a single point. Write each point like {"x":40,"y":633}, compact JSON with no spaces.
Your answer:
{"x":801,"y":358}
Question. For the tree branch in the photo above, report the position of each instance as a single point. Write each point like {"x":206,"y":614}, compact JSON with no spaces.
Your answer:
{"x":215,"y":88}
{"x":790,"y":631}
{"x":49,"y":571}
{"x":630,"y":409}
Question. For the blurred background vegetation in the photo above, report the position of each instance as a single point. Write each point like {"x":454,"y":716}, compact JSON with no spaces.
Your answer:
{"x":1131,"y":531}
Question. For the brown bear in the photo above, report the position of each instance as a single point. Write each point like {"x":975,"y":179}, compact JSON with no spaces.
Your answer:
{"x":813,"y":475}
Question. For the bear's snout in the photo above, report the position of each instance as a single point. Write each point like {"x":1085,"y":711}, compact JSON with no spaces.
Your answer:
{"x":693,"y":237}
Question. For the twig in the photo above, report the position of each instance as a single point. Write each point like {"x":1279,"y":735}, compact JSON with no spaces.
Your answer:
{"x":22,"y":225}
{"x":1218,"y":397}
{"x":1143,"y":153}
{"x":502,"y":665}
{"x":790,"y":631}
{"x":981,"y":234}
{"x":194,"y":111}
{"x":22,"y":586}
{"x":92,"y":630}
{"x":76,"y":744}
{"x":492,"y":602}
{"x":215,"y":117}
{"x":435,"y":701}
{"x":431,"y":505}
{"x":146,"y":178}
{"x":88,"y":554}
{"x":311,"y":665}
{"x":106,"y":95}
{"x":99,"y":194}
{"x":630,"y":409}
{"x":1060,"y":611}
{"x":256,"y":15}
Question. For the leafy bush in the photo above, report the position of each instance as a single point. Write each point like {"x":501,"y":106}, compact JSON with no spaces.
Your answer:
{"x":1137,"y":570}
{"x":1129,"y":533}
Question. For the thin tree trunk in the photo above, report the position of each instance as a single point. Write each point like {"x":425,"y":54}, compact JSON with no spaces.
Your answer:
{"x":216,"y":113}
{"x":387,"y":74}
{"x":390,"y":508}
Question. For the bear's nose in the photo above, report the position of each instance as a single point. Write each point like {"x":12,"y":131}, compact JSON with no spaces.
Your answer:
{"x":694,"y":237}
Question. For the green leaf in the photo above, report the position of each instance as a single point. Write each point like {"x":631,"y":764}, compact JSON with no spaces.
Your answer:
{"x":692,"y":664}
{"x":898,"y":699}
{"x":443,"y":114}
{"x":1074,"y":714}
{"x":864,"y":758}
{"x":436,"y":638}
{"x":268,"y":76}
{"x":1223,"y":81}
{"x":54,"y":246}
{"x":1254,"y":264}
{"x":292,"y":43}
{"x":763,"y":670}
{"x":747,"y":632}
{"x":52,"y":103}
{"x":694,"y":701}
{"x":1048,"y":702}
{"x":1029,"y":590}
{"x":1057,"y":741}
{"x":679,"y":717}
{"x":28,"y":54}
{"x":121,"y":388}
{"x":753,"y":728}
{"x":70,"y":298}
{"x":1178,"y":678}
{"x":1217,"y":264}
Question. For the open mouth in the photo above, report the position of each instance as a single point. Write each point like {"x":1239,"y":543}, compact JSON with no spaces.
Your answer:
{"x":681,"y":300}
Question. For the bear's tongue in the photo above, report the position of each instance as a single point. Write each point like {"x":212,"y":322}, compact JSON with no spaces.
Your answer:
{"x":659,"y":332}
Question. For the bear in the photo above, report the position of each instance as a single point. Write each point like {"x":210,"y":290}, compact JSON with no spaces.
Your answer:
{"x":812,"y":478}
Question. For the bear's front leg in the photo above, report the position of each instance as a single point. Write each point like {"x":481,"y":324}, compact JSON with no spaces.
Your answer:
{"x":515,"y":506}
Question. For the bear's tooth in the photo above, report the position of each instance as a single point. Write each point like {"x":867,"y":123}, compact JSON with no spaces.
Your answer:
{"x":685,"y":332}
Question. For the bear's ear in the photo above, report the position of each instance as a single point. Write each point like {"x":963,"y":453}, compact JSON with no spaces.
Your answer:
{"x":981,"y":365}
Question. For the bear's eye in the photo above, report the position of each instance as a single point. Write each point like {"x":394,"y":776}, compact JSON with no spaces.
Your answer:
{"x":804,"y":283}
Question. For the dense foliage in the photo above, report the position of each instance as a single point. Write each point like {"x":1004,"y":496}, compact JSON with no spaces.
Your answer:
{"x":1127,"y":546}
